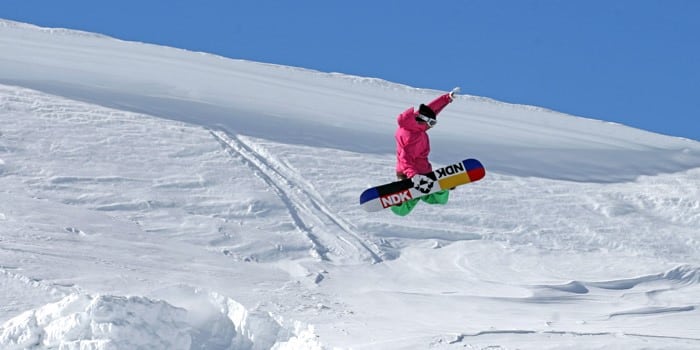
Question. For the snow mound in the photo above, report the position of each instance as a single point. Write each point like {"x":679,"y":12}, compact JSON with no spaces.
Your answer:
{"x":106,"y":322}
{"x":99,"y":323}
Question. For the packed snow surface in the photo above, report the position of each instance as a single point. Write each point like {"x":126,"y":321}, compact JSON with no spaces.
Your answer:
{"x":155,"y":198}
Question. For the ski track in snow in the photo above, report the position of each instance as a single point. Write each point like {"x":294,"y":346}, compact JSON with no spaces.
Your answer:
{"x":311,"y":215}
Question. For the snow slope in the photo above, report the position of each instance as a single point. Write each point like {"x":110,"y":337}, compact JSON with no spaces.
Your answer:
{"x":155,"y":198}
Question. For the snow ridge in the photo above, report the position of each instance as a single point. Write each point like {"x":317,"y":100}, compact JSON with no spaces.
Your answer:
{"x":54,"y":31}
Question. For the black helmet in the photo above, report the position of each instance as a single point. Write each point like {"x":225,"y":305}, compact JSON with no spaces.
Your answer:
{"x":425,"y":114}
{"x":426,"y":111}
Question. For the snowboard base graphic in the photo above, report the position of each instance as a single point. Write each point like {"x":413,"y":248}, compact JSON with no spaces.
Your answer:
{"x":453,"y":175}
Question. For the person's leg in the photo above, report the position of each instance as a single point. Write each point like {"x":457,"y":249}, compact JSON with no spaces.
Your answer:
{"x":437,"y":198}
{"x":404,"y":208}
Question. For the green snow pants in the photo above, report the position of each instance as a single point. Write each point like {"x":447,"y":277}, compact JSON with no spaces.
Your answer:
{"x":434,"y":198}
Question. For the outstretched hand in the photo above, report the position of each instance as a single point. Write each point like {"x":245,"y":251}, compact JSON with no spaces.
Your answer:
{"x":454,"y":92}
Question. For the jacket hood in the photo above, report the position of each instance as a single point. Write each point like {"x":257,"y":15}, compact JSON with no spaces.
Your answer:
{"x":407,"y":120}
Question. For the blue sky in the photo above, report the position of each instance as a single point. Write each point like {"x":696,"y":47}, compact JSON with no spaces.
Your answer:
{"x":636,"y":62}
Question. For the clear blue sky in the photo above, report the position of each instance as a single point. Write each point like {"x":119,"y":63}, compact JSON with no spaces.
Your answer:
{"x":635,"y":62}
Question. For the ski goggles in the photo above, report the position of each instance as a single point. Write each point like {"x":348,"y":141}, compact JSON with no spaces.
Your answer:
{"x":430,"y":121}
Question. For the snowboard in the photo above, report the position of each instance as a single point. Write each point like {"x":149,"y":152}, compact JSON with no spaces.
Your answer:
{"x":453,"y":175}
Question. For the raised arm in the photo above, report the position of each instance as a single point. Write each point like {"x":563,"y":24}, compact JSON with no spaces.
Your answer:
{"x":441,"y":101}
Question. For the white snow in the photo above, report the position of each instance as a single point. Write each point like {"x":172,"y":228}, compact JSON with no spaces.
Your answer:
{"x":155,"y":198}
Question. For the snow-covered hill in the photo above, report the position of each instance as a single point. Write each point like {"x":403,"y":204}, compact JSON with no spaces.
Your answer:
{"x":155,"y":198}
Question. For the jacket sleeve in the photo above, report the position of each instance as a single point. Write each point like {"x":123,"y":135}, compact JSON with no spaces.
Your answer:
{"x":405,"y":159}
{"x":439,"y":103}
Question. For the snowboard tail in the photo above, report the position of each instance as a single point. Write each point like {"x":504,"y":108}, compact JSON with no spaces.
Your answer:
{"x":453,"y":175}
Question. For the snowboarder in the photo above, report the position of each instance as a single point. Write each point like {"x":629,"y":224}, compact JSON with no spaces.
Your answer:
{"x":413,"y":147}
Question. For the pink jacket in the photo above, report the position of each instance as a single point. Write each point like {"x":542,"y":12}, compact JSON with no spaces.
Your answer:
{"x":412,"y":142}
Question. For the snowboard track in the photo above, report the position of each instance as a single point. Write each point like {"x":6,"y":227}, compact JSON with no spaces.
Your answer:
{"x":327,"y":232}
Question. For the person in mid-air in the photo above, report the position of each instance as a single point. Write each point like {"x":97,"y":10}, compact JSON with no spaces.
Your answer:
{"x":413,"y":147}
